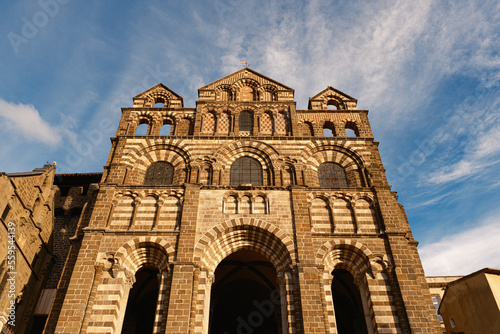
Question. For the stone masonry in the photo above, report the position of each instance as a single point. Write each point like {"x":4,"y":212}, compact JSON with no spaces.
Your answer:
{"x":243,"y":190}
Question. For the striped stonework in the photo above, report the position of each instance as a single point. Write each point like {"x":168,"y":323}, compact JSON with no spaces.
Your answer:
{"x":286,"y":233}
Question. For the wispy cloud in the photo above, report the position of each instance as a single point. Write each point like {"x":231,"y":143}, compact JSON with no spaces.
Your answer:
{"x":464,"y":252}
{"x":25,"y":121}
{"x":481,"y":153}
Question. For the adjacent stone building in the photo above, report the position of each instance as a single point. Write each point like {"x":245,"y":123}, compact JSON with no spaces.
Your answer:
{"x":241,"y":215}
{"x":26,"y":238}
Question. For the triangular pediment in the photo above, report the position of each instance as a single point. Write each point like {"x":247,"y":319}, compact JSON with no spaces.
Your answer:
{"x":245,"y":77}
{"x":158,"y":93}
{"x":331,"y":95}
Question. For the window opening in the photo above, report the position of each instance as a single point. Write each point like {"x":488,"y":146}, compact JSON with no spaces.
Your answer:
{"x":165,"y":129}
{"x":332,"y":175}
{"x":159,"y":173}
{"x":435,"y":301}
{"x":246,"y":170}
{"x":246,"y":121}
{"x":452,"y":322}
{"x":332,"y":105}
{"x":327,"y":132}
{"x":142,"y":129}
{"x":311,"y":129}
{"x":350,"y":132}
{"x":159,"y":103}
{"x":329,"y":129}
{"x":5,"y":212}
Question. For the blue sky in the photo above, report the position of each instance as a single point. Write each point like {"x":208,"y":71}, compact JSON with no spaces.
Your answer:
{"x":427,"y":70}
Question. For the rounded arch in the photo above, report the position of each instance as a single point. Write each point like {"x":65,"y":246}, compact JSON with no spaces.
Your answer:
{"x":246,"y":170}
{"x":347,"y":254}
{"x":159,"y":173}
{"x":353,"y":125}
{"x":332,"y":174}
{"x":333,"y":100}
{"x":245,"y":82}
{"x":268,"y":92}
{"x":244,"y":233}
{"x":250,"y":108}
{"x":319,"y":152}
{"x":145,"y":251}
{"x":140,"y":159}
{"x":263,"y":152}
{"x":158,"y":96}
{"x":329,"y":125}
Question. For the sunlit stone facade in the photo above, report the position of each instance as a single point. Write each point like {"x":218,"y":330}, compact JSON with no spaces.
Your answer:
{"x":242,"y":216}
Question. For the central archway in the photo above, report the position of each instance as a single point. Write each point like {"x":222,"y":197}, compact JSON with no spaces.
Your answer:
{"x":245,"y":295}
{"x":252,"y":242}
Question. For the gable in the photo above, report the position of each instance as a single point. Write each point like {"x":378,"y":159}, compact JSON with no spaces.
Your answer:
{"x":241,"y":79}
{"x":158,"y":93}
{"x":334,"y":96}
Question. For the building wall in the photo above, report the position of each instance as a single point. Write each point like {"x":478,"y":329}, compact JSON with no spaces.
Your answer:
{"x":186,"y":228}
{"x":26,"y":203}
{"x":437,"y":286}
{"x":470,"y":305}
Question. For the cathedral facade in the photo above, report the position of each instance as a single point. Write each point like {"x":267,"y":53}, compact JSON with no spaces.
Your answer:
{"x":242,"y":215}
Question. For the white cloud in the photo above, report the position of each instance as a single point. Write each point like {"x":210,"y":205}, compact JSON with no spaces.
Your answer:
{"x":464,"y":252}
{"x":24,"y":120}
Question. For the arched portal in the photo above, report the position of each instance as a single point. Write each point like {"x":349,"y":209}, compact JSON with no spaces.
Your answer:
{"x":142,"y":303}
{"x":245,"y":295}
{"x":349,"y":313}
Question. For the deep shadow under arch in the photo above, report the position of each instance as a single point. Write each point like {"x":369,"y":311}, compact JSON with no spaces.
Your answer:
{"x":349,"y":314}
{"x":245,"y":296}
{"x":142,"y":303}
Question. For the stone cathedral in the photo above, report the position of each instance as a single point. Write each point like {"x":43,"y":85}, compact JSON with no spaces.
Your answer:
{"x":241,"y":215}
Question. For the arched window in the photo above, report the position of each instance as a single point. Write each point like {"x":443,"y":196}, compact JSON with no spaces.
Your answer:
{"x":160,"y":172}
{"x":351,"y":130}
{"x":246,"y":121}
{"x":246,"y":170}
{"x":332,"y":105}
{"x":349,"y":312}
{"x":331,"y":174}
{"x":142,"y":129}
{"x":329,"y":129}
{"x":166,"y":128}
{"x":309,"y":129}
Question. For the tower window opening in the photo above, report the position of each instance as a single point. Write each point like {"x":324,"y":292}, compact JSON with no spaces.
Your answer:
{"x":159,"y":103}
{"x":329,"y":129}
{"x":332,"y":105}
{"x":351,"y":130}
{"x":142,"y":129}
{"x":166,"y":129}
